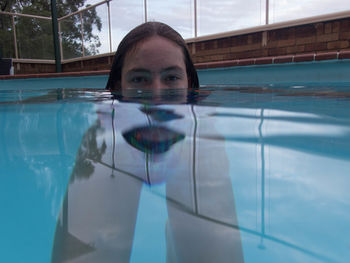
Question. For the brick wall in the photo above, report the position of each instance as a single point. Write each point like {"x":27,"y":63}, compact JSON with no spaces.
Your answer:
{"x":33,"y":68}
{"x":97,"y":63}
{"x":85,"y":64}
{"x":321,"y":37}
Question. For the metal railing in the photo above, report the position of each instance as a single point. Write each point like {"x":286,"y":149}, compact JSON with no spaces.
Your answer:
{"x":195,"y":36}
{"x":80,"y":13}
{"x":12,"y":15}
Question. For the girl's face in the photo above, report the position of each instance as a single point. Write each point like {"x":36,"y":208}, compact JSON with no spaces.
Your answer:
{"x":156,"y":63}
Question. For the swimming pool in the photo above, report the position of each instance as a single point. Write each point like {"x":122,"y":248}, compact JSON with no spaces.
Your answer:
{"x":242,"y":173}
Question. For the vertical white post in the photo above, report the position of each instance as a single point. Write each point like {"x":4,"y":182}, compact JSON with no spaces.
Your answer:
{"x":109,"y":27}
{"x":60,"y":38}
{"x":145,"y":9}
{"x":82,"y":34}
{"x":195,"y":18}
{"x":267,"y":12}
{"x":14,"y":36}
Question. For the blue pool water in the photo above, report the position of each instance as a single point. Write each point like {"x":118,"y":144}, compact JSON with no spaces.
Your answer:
{"x":232,"y":173}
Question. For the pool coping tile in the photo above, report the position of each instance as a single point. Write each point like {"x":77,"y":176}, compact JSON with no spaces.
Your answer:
{"x":304,"y":57}
{"x":344,"y":54}
{"x":264,"y":61}
{"x":246,"y":62}
{"x":326,"y":56}
{"x":216,"y":64}
{"x":56,"y":75}
{"x":283,"y":59}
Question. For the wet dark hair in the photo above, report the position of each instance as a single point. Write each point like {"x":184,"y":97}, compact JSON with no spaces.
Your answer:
{"x":141,"y":33}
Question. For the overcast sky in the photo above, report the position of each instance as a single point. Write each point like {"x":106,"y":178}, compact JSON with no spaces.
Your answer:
{"x":212,"y":16}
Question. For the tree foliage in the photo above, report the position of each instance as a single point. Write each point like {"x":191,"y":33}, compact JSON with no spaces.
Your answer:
{"x":34,"y":36}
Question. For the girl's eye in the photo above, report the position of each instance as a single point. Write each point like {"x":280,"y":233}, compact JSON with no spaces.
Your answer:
{"x":138,"y":80}
{"x":172,"y":78}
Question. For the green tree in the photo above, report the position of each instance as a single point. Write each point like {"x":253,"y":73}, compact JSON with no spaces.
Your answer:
{"x":34,"y":36}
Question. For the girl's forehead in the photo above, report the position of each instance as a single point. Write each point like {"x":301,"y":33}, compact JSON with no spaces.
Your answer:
{"x":154,"y":51}
{"x":154,"y":41}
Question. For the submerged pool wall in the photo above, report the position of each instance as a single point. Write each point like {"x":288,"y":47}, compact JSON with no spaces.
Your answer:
{"x":321,"y":38}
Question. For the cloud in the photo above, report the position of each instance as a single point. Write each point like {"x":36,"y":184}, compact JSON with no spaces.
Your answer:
{"x":283,"y":10}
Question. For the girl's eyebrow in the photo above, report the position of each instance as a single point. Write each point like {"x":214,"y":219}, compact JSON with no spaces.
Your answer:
{"x":138,"y":70}
{"x":165,"y":70}
{"x":172,"y":68}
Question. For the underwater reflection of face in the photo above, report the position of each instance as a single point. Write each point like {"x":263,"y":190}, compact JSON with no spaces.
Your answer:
{"x":154,"y":67}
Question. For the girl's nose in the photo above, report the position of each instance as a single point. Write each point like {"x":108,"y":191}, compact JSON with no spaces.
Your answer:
{"x":157,"y":86}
